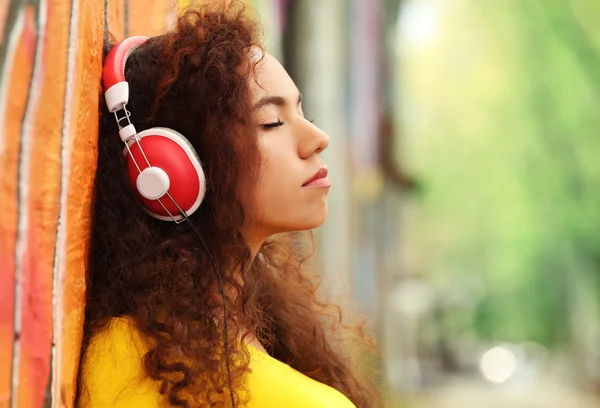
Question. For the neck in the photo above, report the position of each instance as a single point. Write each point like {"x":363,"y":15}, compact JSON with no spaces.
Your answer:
{"x":255,"y":238}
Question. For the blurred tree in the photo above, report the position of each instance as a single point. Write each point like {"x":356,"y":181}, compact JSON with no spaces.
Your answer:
{"x":499,"y":107}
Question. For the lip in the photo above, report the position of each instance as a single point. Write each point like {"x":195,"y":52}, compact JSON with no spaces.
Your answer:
{"x":320,"y":179}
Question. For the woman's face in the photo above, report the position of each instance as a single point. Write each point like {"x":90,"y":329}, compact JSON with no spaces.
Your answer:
{"x":291,"y":192}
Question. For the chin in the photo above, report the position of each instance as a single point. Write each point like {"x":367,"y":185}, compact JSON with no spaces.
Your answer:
{"x":313,"y":221}
{"x":301,"y":224}
{"x":303,"y":220}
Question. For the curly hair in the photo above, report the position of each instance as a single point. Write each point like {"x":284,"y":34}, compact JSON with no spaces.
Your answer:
{"x":195,"y":80}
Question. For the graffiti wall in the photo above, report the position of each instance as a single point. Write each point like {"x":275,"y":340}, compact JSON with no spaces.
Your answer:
{"x":50,"y":66}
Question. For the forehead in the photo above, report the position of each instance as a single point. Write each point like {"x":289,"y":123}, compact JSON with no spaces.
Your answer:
{"x":270,"y":79}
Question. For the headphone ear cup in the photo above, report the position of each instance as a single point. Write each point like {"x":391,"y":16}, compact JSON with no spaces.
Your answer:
{"x":171,"y":152}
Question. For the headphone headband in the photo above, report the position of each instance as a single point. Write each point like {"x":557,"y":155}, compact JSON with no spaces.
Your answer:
{"x":113,"y":76}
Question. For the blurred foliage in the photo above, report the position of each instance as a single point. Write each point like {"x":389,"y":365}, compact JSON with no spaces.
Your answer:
{"x":501,"y":114}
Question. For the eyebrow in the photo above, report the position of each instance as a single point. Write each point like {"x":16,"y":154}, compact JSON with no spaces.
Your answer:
{"x":274,"y":100}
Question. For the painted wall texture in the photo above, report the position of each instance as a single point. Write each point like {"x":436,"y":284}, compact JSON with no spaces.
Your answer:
{"x":50,"y":68}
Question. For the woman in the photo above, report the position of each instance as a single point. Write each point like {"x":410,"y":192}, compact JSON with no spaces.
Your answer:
{"x":214,"y":309}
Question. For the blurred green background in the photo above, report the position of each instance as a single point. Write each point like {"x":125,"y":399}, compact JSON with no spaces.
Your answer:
{"x":464,"y":215}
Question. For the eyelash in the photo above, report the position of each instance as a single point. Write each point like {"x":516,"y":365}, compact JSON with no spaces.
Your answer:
{"x":279,"y":123}
{"x":272,"y":125}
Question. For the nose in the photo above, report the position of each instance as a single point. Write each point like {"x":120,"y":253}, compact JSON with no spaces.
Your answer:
{"x":314,"y":141}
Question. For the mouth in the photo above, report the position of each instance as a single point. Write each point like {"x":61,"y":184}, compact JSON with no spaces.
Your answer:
{"x":320,"y":179}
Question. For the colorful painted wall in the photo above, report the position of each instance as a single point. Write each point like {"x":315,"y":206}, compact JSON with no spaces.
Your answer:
{"x":50,"y":65}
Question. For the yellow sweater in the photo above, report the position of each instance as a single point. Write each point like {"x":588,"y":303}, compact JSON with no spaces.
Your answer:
{"x":112,"y":377}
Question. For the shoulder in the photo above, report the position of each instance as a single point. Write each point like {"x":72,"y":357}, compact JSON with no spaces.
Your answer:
{"x":119,"y":335}
{"x":112,"y":371}
{"x":119,"y":339}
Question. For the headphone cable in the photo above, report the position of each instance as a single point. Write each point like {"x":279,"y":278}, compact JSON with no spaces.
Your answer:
{"x":222,"y":289}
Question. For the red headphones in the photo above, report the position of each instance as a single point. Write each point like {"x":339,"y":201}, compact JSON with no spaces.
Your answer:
{"x":162,"y":165}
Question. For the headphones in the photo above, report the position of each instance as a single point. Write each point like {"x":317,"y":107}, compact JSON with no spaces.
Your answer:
{"x":162,"y":166}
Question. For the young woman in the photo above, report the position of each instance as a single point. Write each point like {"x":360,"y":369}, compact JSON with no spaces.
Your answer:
{"x":196,"y":296}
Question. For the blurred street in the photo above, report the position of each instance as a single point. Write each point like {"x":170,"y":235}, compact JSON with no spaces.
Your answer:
{"x":465,"y":393}
{"x":464,"y":209}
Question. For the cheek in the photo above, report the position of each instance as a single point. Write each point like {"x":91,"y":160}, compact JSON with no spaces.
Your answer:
{"x":276,"y":183}
{"x":273,"y":185}
{"x":278,"y":161}
{"x":248,"y":192}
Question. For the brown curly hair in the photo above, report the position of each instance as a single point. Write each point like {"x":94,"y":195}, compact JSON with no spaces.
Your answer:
{"x":195,"y":79}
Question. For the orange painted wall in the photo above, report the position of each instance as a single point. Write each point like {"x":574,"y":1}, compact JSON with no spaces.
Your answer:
{"x":50,"y":67}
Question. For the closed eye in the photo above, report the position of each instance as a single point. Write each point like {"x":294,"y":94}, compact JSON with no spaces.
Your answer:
{"x":272,"y":125}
